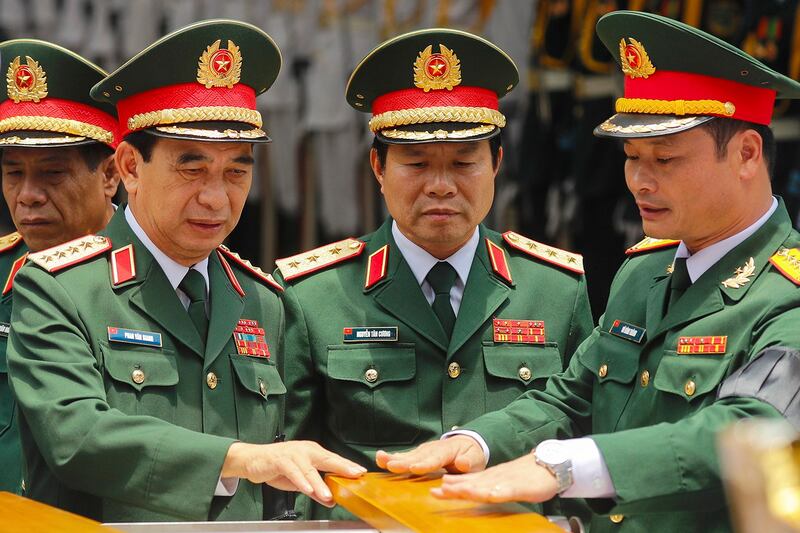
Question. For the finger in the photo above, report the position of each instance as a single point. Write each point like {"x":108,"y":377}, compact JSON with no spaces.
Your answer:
{"x":381,"y":458}
{"x":292,"y":472}
{"x":326,"y":461}
{"x":321,"y":493}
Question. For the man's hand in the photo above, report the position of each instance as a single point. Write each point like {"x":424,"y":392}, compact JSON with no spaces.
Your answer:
{"x":458,"y":454}
{"x":292,"y":465}
{"x":520,"y":480}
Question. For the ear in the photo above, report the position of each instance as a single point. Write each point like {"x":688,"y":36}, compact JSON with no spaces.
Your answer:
{"x":750,"y":151}
{"x":128,"y":162}
{"x":375,"y":163}
{"x":108,"y":168}
{"x":499,"y":160}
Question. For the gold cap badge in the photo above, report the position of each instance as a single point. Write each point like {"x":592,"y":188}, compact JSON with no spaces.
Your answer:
{"x":26,"y":83}
{"x":437,"y":71}
{"x":635,"y":61}
{"x":220,"y":67}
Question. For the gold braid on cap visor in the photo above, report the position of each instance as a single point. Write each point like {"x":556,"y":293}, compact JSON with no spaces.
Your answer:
{"x":426,"y":115}
{"x":195,"y":114}
{"x":57,"y":125}
{"x":675,"y":107}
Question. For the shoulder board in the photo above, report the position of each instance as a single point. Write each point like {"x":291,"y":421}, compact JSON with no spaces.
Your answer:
{"x":305,"y":263}
{"x":787,"y":261}
{"x":10,"y":241}
{"x":250,"y":268}
{"x":562,"y":258}
{"x":71,"y":253}
{"x":648,"y":243}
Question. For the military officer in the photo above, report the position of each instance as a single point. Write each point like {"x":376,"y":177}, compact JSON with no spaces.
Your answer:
{"x":434,"y":318}
{"x":145,"y":359}
{"x":699,"y":331}
{"x":58,"y":180}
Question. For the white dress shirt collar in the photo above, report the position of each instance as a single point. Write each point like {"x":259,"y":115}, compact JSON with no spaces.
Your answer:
{"x":421,"y":261}
{"x":174,"y":271}
{"x":697,"y":264}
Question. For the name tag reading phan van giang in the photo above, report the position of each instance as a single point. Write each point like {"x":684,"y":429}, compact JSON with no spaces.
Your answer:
{"x":370,"y":334}
{"x":134,"y":336}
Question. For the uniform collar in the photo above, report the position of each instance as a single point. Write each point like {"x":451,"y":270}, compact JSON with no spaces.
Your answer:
{"x":697,"y":264}
{"x":421,"y":261}
{"x":174,"y":271}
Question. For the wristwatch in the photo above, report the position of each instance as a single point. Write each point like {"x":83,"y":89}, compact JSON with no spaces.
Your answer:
{"x":552,"y":455}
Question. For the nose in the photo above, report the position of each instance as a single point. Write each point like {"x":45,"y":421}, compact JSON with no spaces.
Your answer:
{"x":31,"y":194}
{"x":639,"y":178}
{"x":213,"y":194}
{"x":440,"y":184}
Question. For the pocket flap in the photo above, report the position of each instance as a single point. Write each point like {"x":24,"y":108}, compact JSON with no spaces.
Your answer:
{"x":139,"y":368}
{"x":372,"y":366}
{"x":690,"y":376}
{"x":521,"y":362}
{"x":611,"y":358}
{"x":258,"y":376}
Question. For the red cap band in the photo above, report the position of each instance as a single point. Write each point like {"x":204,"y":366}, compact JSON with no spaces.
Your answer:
{"x":63,"y":109}
{"x":184,"y":96}
{"x":417,"y":98}
{"x":753,"y":104}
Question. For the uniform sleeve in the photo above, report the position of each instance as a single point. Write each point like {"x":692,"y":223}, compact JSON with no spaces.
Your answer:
{"x":304,"y":416}
{"x":87,"y":444}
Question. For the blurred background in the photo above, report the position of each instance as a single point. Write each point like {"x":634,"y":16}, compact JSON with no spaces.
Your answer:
{"x":313,"y":185}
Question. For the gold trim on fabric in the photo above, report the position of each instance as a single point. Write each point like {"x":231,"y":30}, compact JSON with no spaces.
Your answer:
{"x":256,"y":133}
{"x":426,"y":115}
{"x":438,"y":134}
{"x":646,"y":128}
{"x":675,"y":107}
{"x":195,"y":114}
{"x":36,"y":141}
{"x":58,"y":125}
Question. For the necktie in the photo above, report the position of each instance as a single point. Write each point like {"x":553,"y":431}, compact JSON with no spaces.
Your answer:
{"x":441,"y":277}
{"x":194,"y":285}
{"x":679,"y":281}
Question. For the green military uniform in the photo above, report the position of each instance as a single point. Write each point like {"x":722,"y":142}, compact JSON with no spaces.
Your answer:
{"x":46,"y":104}
{"x":127,"y":411}
{"x":368,"y":365}
{"x":12,"y":253}
{"x":654,"y":383}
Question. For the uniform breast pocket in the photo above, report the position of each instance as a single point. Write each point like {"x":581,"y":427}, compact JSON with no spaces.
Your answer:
{"x":690,"y":377}
{"x":142,"y":381}
{"x":373,"y":393}
{"x":513,"y":368}
{"x":259,"y":393}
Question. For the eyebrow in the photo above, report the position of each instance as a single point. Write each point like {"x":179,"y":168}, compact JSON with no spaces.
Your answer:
{"x":468,"y":148}
{"x":47,"y":159}
{"x":244,"y":160}
{"x":658,"y":141}
{"x":191,"y":157}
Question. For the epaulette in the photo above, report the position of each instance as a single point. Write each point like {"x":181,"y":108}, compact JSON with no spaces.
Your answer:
{"x":10,"y":241}
{"x":787,"y":261}
{"x":648,"y":244}
{"x":71,"y":253}
{"x":248,"y":267}
{"x":564,"y":259}
{"x":307,"y":262}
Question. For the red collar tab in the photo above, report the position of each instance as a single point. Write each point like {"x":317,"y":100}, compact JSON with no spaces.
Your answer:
{"x":123,"y":265}
{"x":10,"y":241}
{"x":229,"y":272}
{"x":648,"y":244}
{"x":497,"y":256}
{"x":376,"y":267}
{"x":250,"y":268}
{"x":418,"y":98}
{"x":14,"y":269}
{"x":748,"y":103}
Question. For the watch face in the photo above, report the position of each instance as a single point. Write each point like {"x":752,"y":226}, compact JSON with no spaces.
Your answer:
{"x":552,"y":453}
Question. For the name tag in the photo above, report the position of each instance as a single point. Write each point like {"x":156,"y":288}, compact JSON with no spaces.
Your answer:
{"x":370,"y":334}
{"x":627,"y":331}
{"x":134,"y":336}
{"x":5,"y":329}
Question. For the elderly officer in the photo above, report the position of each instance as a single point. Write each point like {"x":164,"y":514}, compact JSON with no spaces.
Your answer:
{"x":433,"y":319}
{"x":698,"y":332}
{"x":58,"y":180}
{"x":144,"y":359}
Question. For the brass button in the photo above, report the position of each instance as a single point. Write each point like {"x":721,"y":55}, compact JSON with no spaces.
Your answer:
{"x":22,"y":485}
{"x":690,"y":387}
{"x":453,"y":428}
{"x":211,"y":380}
{"x":525,"y":373}
{"x":371,"y":375}
{"x":645,"y":379}
{"x":603,"y":372}
{"x":617,"y":518}
{"x":137,"y":376}
{"x":454,"y":370}
{"x":262,"y":388}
